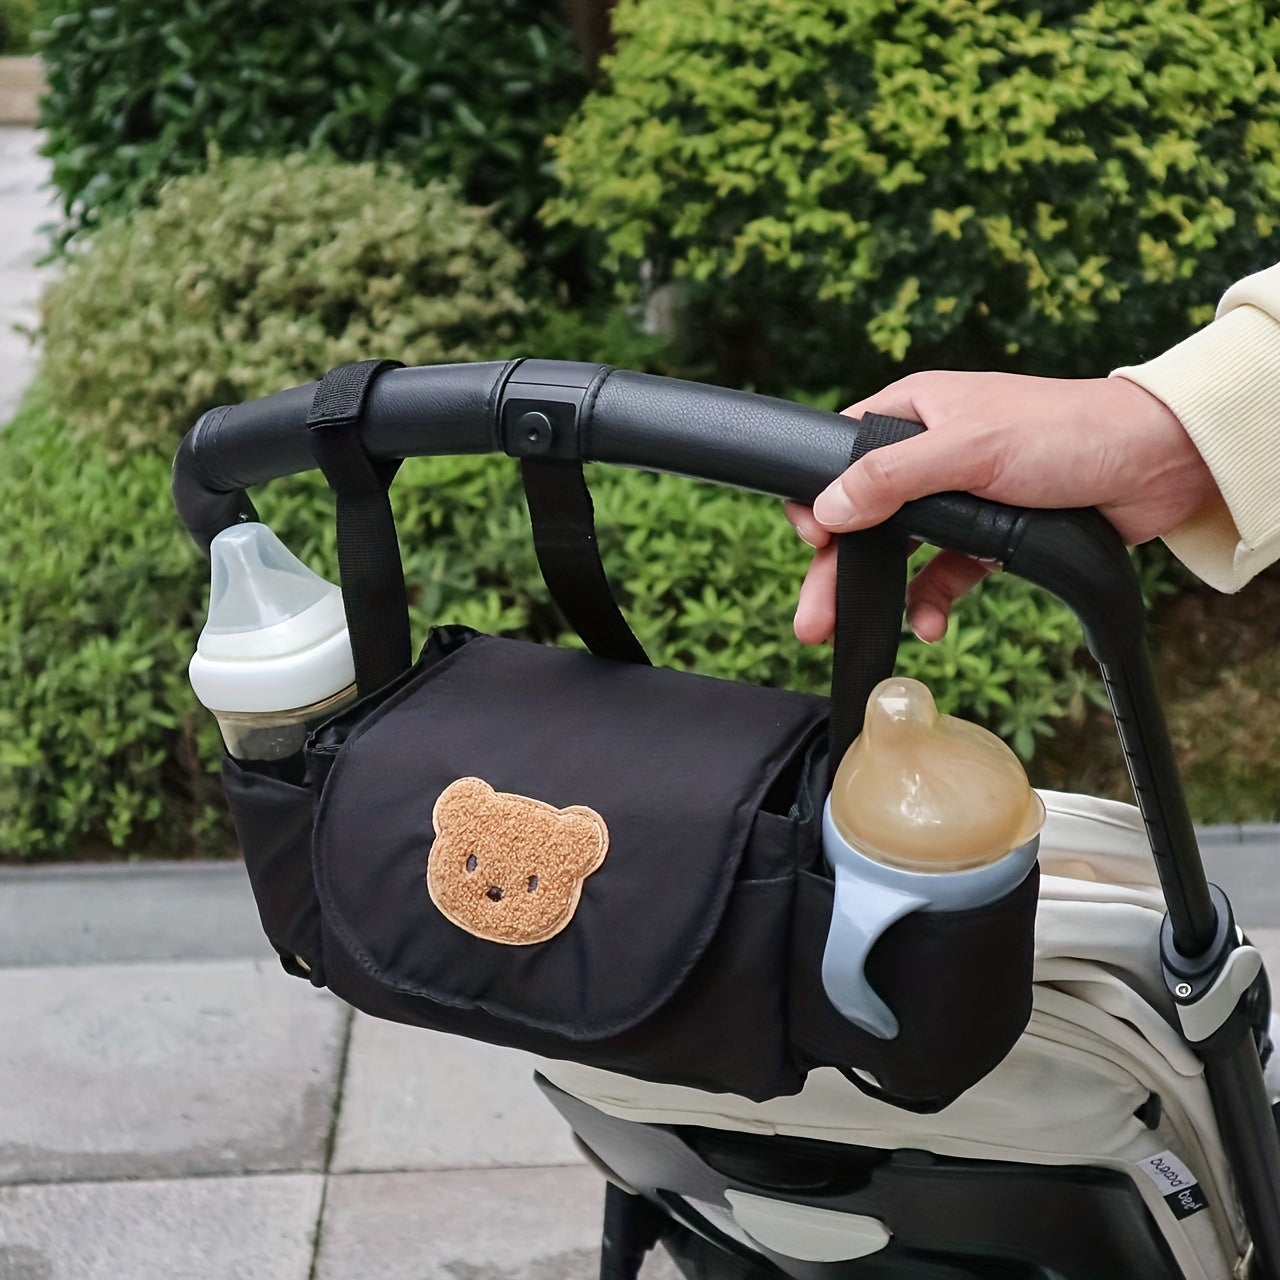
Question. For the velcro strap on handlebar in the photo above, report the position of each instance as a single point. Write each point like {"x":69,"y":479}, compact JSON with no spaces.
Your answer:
{"x":871,"y":586}
{"x":373,"y":590}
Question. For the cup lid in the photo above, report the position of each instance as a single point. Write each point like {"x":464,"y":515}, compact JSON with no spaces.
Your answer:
{"x":930,"y":792}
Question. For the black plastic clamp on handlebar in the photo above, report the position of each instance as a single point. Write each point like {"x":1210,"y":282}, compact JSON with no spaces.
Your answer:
{"x":552,"y":408}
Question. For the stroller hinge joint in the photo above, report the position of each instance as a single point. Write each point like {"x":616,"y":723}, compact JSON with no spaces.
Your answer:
{"x":1203,"y":1013}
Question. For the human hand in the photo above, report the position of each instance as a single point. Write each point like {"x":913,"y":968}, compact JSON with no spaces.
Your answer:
{"x":1029,"y":442}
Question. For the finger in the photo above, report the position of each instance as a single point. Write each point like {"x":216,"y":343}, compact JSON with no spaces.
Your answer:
{"x":815,"y":620}
{"x":897,"y":400}
{"x":805,"y":525}
{"x":876,"y":485}
{"x":938,"y":585}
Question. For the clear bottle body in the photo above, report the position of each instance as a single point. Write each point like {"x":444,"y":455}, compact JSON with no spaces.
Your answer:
{"x":277,"y":735}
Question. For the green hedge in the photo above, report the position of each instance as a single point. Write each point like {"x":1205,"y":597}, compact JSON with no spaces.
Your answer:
{"x":139,"y":89}
{"x":98,"y":600}
{"x":260,"y":274}
{"x":851,"y":190}
{"x":17,"y":26}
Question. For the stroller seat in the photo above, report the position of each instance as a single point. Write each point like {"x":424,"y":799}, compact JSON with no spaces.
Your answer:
{"x":1092,"y":1151}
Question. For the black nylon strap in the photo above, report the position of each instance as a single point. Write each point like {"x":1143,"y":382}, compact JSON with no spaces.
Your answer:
{"x":373,"y":590}
{"x":871,"y":586}
{"x":564,"y":536}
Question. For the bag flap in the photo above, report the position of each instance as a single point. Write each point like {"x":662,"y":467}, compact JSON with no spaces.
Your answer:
{"x":599,"y":836}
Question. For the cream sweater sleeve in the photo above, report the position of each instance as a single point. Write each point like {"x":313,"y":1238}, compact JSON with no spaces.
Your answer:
{"x":1223,"y":383}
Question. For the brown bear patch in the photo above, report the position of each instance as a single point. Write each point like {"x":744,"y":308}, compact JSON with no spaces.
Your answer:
{"x":508,"y":868}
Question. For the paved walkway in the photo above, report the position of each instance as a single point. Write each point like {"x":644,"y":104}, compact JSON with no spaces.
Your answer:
{"x":174,"y":1107}
{"x":26,"y":204}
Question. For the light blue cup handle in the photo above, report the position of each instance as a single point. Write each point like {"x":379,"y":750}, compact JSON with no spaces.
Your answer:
{"x":860,"y":914}
{"x":870,"y":896}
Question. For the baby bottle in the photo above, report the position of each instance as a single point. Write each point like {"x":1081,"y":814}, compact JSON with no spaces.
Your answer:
{"x":926,"y":813}
{"x":274,"y":658}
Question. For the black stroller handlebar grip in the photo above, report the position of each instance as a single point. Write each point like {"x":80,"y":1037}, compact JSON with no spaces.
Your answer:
{"x":595,"y":413}
{"x":436,"y":409}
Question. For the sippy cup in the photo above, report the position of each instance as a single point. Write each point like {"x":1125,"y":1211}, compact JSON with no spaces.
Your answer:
{"x":927,"y":813}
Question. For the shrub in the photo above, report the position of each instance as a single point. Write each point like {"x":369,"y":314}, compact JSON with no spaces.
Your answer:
{"x":138,"y":90}
{"x":903,"y":183}
{"x":17,"y":26}
{"x":99,"y":596}
{"x":261,"y":274}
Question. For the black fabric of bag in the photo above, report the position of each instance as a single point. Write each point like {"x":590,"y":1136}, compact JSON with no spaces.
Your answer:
{"x":677,"y":937}
{"x":693,"y":955}
{"x":958,"y":981}
{"x":273,"y":820}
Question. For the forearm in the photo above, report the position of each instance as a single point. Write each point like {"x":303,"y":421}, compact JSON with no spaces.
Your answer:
{"x":1223,"y":384}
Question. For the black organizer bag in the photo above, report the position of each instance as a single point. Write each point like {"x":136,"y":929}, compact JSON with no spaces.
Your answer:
{"x":694,"y":953}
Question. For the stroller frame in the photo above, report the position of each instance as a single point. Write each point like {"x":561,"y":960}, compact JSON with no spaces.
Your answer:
{"x":1209,"y":970}
{"x":579,"y":412}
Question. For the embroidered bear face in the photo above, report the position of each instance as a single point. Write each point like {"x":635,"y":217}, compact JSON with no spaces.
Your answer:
{"x":508,"y":868}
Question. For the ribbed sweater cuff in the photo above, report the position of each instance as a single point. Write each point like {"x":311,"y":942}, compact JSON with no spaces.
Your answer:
{"x":1223,"y":384}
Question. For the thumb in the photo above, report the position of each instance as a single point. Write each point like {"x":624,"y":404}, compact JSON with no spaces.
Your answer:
{"x":857,"y":499}
{"x":866,"y":494}
{"x":871,"y":490}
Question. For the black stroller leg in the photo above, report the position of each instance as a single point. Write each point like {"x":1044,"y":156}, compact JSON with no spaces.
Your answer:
{"x":1234,"y":1076}
{"x":1216,"y":1005}
{"x":631,"y":1228}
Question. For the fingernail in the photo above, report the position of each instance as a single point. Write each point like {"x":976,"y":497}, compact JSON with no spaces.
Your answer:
{"x":832,"y":505}
{"x":806,"y":540}
{"x":919,"y":618}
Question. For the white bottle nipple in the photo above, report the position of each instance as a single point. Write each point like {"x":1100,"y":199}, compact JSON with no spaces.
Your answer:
{"x":930,"y":792}
{"x":256,"y":582}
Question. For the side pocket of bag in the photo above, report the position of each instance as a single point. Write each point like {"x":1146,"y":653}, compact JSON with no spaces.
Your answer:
{"x":732,"y":1022}
{"x":959,"y":983}
{"x":273,"y":822}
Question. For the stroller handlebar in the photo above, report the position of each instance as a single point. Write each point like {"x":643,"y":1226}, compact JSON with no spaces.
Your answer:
{"x":558,"y":408}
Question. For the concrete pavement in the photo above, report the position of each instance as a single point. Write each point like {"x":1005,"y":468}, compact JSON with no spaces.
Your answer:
{"x":174,"y":1107}
{"x":26,"y":204}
